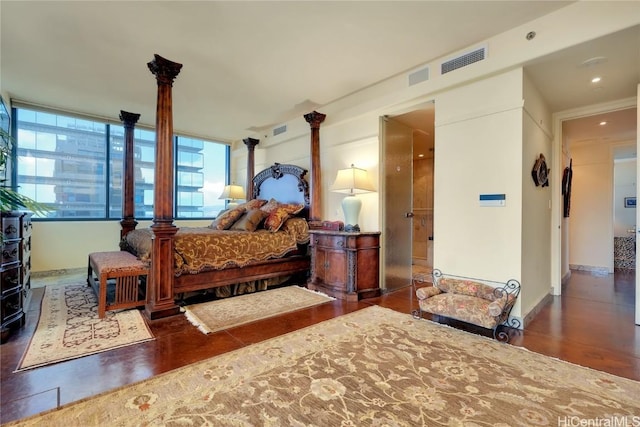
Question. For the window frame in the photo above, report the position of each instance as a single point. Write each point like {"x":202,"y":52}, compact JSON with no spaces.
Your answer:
{"x":107,"y":189}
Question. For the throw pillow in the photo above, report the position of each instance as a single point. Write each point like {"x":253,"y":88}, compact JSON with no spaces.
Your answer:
{"x":250,"y":220}
{"x":270,"y":205}
{"x":253,"y":204}
{"x":226,"y":220}
{"x":275,"y":219}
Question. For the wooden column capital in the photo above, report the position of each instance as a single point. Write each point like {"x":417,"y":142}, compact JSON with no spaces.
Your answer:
{"x":315,"y":119}
{"x":128,"y":119}
{"x":164,"y":70}
{"x":251,"y":143}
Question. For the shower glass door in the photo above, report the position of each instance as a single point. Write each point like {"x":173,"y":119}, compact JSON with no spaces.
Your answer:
{"x":398,"y":193}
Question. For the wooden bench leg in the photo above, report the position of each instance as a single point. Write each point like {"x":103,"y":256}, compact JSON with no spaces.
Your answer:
{"x":102,"y":298}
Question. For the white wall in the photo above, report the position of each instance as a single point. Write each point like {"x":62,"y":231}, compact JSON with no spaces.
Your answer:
{"x":536,"y":201}
{"x":591,"y":219}
{"x":478,"y":150}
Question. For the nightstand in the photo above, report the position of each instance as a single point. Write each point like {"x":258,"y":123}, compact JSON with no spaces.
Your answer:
{"x":345,"y":265}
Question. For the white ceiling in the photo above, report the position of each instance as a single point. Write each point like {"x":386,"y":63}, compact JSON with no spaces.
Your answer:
{"x":250,"y":66}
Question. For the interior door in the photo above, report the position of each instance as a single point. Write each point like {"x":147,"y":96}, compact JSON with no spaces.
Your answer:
{"x":397,"y":150}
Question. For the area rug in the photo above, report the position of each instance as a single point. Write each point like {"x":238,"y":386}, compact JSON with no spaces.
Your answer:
{"x":226,"y":313}
{"x":372,"y":367}
{"x":69,"y":327}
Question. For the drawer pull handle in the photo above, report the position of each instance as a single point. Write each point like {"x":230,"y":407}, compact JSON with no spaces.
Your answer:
{"x":340,"y":243}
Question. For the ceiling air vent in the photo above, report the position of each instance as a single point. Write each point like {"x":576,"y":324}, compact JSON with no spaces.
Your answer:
{"x":279,"y":130}
{"x":419,"y":76}
{"x":463,"y":60}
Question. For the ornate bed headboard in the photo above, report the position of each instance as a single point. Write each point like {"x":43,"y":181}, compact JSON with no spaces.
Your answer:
{"x":282,"y":182}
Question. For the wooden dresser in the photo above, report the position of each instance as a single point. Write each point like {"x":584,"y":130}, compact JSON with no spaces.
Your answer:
{"x":15,"y":270}
{"x":345,"y":265}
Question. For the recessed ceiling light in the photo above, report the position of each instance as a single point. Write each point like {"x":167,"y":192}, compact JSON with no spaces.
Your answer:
{"x":593,"y":61}
{"x":595,"y":79}
{"x":602,"y":123}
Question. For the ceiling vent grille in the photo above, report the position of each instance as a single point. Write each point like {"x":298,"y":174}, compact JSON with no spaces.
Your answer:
{"x":419,"y":76}
{"x":279,"y":130}
{"x":463,"y":60}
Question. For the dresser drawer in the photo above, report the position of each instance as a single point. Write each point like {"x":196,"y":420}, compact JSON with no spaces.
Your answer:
{"x":10,"y":252}
{"x":10,"y":280}
{"x":11,"y":227}
{"x":27,"y":225}
{"x":11,"y":306}
{"x":26,"y":248}
{"x":328,"y":241}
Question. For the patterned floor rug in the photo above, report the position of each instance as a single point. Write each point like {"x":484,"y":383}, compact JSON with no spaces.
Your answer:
{"x":372,"y":367}
{"x":226,"y":313}
{"x":69,"y":327}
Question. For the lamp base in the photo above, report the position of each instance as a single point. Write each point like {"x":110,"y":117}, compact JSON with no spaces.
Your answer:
{"x":352,"y":228}
{"x":351,"y":207}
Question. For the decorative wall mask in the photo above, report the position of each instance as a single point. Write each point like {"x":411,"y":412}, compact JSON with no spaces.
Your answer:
{"x":540,"y":172}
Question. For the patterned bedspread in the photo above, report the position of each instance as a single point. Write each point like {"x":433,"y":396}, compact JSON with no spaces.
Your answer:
{"x":203,"y":248}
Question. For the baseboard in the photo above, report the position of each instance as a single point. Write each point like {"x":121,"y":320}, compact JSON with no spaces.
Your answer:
{"x":599,"y":271}
{"x":62,"y":272}
{"x":537,"y":309}
{"x":566,"y":278}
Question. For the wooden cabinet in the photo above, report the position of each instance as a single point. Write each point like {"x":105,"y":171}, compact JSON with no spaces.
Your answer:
{"x":345,"y":265}
{"x":11,"y":298}
{"x":15,"y":270}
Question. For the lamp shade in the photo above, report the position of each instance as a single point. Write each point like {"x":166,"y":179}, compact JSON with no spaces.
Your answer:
{"x":352,"y":180}
{"x":232,"y":192}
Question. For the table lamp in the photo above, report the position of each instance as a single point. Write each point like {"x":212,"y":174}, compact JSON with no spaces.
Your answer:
{"x":232,"y":193}
{"x":352,"y":181}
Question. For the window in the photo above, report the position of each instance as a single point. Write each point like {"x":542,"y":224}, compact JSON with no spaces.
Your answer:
{"x":75,"y":165}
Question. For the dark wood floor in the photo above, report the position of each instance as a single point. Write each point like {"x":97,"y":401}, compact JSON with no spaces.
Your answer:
{"x":592,"y":324}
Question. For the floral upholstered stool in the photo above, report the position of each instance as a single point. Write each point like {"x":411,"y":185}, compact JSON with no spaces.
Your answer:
{"x":129,"y":275}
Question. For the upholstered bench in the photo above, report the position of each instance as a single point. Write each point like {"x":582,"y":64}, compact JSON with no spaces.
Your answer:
{"x":479,"y":302}
{"x":129,"y":275}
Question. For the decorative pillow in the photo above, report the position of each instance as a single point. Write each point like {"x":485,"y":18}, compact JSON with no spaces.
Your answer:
{"x":253,"y":204}
{"x":226,"y":220}
{"x":270,"y":205}
{"x":249,"y":221}
{"x":275,"y":219}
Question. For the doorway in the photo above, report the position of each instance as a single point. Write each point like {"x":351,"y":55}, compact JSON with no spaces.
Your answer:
{"x":408,"y":211}
{"x":601,"y":139}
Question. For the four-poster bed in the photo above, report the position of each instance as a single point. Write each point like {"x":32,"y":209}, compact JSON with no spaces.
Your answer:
{"x":284,"y":184}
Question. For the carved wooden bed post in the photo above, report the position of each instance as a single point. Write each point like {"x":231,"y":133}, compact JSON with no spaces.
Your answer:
{"x":128,"y":221}
{"x":160,"y":301}
{"x":251,"y":144}
{"x":314,"y":119}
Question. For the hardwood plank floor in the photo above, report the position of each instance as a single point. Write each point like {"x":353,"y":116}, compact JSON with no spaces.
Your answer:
{"x":592,"y":325}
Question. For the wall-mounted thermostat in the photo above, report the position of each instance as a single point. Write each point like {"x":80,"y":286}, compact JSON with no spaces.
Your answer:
{"x":493,"y":200}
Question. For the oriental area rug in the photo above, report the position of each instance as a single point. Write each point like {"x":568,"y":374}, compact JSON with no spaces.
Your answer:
{"x":372,"y":367}
{"x":226,"y":313}
{"x":69,"y":327}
